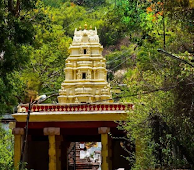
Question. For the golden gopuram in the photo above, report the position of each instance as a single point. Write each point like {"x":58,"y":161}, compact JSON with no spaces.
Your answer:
{"x":85,"y":72}
{"x":85,"y":112}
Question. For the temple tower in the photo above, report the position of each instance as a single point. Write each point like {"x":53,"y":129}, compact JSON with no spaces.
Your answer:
{"x":85,"y":72}
{"x":53,"y":126}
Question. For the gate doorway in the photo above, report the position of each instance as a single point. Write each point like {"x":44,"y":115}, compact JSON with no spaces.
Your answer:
{"x":84,"y":155}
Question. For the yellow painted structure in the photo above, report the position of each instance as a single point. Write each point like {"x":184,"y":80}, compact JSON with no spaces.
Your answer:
{"x":60,"y":117}
{"x":104,"y":153}
{"x":85,"y":72}
{"x":52,"y":153}
{"x":18,"y":132}
{"x":52,"y":132}
{"x":85,"y":82}
{"x":105,"y":147}
{"x":17,"y":149}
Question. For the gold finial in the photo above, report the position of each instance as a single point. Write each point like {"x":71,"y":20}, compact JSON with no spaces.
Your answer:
{"x":90,"y":26}
{"x":80,"y":28}
{"x":85,"y":26}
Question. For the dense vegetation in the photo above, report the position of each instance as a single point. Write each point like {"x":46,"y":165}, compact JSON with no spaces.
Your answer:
{"x":34,"y":41}
{"x":6,"y":149}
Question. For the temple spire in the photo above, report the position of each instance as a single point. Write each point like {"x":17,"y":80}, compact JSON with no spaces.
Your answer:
{"x":85,"y":72}
{"x":85,"y":26}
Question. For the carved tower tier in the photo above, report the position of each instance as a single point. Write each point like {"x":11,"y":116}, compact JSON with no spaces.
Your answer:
{"x":85,"y":72}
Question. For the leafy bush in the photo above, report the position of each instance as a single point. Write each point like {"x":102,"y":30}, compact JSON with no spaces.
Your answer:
{"x":6,"y":149}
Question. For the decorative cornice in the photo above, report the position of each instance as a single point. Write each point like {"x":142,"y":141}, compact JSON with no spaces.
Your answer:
{"x":72,"y":116}
{"x":76,"y":107}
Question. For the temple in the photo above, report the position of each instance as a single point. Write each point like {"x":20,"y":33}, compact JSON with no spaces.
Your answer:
{"x":85,"y":72}
{"x":85,"y":112}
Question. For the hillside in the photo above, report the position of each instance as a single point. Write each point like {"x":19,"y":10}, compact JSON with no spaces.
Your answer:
{"x":148,"y":45}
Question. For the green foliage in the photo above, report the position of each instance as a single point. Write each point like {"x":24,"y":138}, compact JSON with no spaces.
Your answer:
{"x":6,"y":150}
{"x":160,"y":88}
{"x":34,"y":44}
{"x":54,"y":3}
{"x":89,"y":3}
{"x":16,"y":31}
{"x":44,"y":73}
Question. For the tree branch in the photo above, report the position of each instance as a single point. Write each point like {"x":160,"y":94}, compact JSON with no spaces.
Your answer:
{"x":17,"y":10}
{"x":10,"y":6}
{"x":174,"y":57}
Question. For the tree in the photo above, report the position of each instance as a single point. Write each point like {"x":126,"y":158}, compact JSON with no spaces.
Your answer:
{"x":16,"y":31}
{"x":6,"y":150}
{"x":161,"y":88}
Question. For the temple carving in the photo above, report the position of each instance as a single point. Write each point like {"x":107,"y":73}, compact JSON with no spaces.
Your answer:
{"x":85,"y":72}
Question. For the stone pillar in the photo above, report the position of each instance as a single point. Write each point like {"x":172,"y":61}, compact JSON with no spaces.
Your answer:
{"x":105,"y":147}
{"x":18,"y":132}
{"x":74,"y":74}
{"x":94,"y":74}
{"x":70,"y":74}
{"x":52,"y":132}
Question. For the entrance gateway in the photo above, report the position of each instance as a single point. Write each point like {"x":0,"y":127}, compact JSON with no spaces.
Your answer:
{"x":85,"y":112}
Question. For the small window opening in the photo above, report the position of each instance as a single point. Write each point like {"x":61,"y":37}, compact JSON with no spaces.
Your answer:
{"x":83,"y":102}
{"x":83,"y":75}
{"x":85,"y":51}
